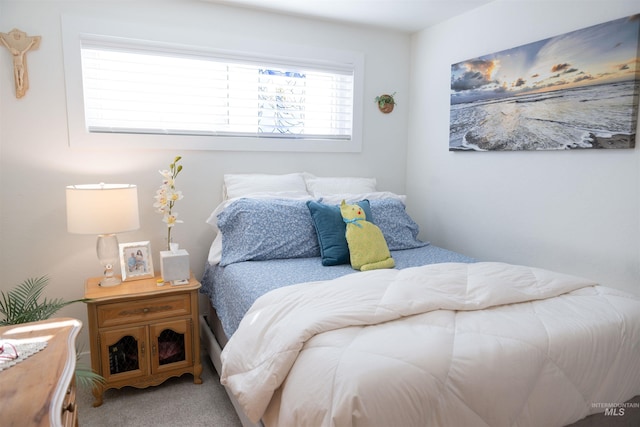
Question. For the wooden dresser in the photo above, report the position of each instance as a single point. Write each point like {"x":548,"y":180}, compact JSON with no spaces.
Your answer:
{"x":142,"y":334}
{"x":40,"y":390}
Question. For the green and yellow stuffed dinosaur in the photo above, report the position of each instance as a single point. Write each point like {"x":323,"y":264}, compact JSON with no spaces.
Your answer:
{"x":368,"y":249}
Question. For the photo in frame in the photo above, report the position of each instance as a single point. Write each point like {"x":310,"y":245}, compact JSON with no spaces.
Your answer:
{"x":578,"y":90}
{"x":136,"y":261}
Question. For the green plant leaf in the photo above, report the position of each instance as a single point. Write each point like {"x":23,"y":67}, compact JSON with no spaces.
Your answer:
{"x":87,"y":378}
{"x":22,"y":305}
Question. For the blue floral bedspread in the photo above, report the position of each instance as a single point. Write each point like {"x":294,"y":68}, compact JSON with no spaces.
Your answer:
{"x":233,"y":289}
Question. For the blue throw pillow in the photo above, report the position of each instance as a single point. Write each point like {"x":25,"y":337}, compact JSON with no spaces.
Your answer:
{"x":331,"y":229}
{"x":262,"y":229}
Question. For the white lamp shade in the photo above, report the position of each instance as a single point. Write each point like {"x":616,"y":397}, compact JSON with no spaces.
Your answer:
{"x":102,"y":208}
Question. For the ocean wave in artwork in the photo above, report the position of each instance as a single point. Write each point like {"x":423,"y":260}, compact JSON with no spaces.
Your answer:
{"x":598,"y":116}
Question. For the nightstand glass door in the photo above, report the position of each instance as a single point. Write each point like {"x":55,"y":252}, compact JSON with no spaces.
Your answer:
{"x":171,"y":345}
{"x":124,"y":352}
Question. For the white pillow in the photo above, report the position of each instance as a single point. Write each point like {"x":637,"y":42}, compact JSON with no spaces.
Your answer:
{"x":241,"y":185}
{"x":335,"y":199}
{"x":318,"y":186}
{"x":215,"y":251}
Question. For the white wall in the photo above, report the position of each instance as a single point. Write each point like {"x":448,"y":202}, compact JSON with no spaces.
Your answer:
{"x":37,"y":163}
{"x":575,"y":212}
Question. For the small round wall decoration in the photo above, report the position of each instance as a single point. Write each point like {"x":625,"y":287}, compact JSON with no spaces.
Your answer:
{"x":386,"y":102}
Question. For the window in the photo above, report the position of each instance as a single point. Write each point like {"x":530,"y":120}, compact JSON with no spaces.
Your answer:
{"x":209,"y":98}
{"x":159,"y":92}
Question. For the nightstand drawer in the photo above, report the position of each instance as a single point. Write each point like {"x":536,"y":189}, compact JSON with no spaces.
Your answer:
{"x":124,"y":313}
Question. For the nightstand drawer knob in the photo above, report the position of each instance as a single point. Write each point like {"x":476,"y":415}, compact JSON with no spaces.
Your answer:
{"x":145,"y":310}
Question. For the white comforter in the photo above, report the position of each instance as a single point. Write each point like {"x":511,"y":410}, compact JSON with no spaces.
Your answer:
{"x":441,"y":345}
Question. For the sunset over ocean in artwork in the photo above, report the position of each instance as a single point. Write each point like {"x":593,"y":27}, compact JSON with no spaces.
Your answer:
{"x":576,"y":90}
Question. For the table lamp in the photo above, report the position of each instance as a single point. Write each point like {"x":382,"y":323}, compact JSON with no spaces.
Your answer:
{"x":103,"y":209}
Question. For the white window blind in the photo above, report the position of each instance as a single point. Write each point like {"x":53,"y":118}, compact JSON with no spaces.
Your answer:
{"x":135,"y":89}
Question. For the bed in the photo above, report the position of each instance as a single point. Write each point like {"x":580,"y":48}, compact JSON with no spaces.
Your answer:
{"x":300,"y":338}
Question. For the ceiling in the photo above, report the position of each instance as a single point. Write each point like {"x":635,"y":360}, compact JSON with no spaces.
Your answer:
{"x":402,"y":15}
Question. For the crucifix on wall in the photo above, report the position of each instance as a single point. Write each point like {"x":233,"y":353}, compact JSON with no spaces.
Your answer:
{"x":19,"y":44}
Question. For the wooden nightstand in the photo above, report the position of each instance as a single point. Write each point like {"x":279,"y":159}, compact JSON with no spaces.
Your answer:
{"x":40,"y":390}
{"x":142,"y":334}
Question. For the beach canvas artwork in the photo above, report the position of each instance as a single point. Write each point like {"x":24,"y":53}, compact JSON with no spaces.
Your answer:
{"x":578,"y":90}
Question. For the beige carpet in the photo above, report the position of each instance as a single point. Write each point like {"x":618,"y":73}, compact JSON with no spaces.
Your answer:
{"x":176,"y":402}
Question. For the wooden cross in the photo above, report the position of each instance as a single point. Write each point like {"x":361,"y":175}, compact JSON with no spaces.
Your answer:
{"x":19,"y":44}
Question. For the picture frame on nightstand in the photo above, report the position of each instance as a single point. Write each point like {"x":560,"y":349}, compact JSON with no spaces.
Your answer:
{"x":136,"y":261}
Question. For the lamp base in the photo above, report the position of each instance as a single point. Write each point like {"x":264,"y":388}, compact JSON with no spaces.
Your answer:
{"x":110,"y":281}
{"x":107,"y":249}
